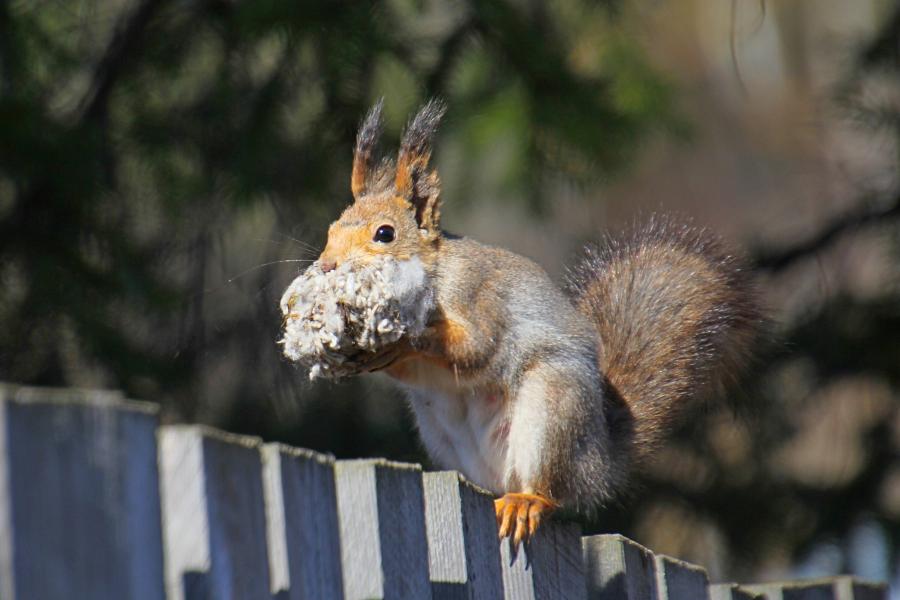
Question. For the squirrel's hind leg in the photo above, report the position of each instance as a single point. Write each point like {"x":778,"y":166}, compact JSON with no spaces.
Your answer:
{"x":538,"y":457}
{"x":559,"y":447}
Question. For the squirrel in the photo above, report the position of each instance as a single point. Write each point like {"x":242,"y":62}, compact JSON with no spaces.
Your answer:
{"x":547,"y":399}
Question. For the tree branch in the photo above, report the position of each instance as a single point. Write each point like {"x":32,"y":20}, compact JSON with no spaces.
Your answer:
{"x":126,"y":39}
{"x":850,"y":221}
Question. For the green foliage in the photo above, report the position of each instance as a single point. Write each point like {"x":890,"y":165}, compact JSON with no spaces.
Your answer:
{"x":138,"y":137}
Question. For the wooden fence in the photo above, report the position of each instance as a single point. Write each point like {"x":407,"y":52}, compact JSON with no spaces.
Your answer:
{"x":97,"y":501}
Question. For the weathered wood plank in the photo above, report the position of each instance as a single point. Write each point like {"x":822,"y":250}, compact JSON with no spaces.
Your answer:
{"x":79,"y":497}
{"x":850,"y":588}
{"x":730,"y":591}
{"x":834,"y":588}
{"x":795,"y":590}
{"x":214,"y":519}
{"x":303,"y":533}
{"x":618,"y":569}
{"x":381,"y":511}
{"x":463,"y":553}
{"x":548,"y":567}
{"x":678,"y":580}
{"x":81,"y":515}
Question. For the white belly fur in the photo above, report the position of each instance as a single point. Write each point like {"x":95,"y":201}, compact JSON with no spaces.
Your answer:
{"x":462,"y":426}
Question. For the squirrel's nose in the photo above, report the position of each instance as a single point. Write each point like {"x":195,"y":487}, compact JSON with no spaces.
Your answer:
{"x":327,"y":265}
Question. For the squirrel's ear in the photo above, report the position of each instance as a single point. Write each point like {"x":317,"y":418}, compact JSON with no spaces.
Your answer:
{"x":414,"y":181}
{"x":363,"y":154}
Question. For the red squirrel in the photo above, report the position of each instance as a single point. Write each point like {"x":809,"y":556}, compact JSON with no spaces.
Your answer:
{"x":548,"y":398}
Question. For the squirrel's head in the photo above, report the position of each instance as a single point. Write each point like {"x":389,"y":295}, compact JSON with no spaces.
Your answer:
{"x":396,"y":208}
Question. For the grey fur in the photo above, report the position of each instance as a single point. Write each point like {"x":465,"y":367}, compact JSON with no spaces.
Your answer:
{"x":544,"y":336}
{"x":586,"y":354}
{"x":676,"y":315}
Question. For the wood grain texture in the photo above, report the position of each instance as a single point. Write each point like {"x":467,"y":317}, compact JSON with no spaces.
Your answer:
{"x":303,"y":533}
{"x":548,"y":567}
{"x":795,"y":590}
{"x":676,"y":579}
{"x":730,"y":591}
{"x":79,"y":502}
{"x":97,"y":502}
{"x":833,"y":588}
{"x":381,"y":511}
{"x":463,"y":549}
{"x":213,"y":515}
{"x":618,"y":569}
{"x":850,"y":588}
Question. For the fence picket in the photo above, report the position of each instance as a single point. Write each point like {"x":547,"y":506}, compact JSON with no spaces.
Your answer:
{"x":850,"y":588}
{"x":618,"y":569}
{"x":79,"y":502}
{"x":301,"y":513}
{"x":381,"y":511}
{"x":731,"y":591}
{"x":96,"y":501}
{"x":795,"y":590}
{"x":463,"y":549}
{"x":678,"y":580}
{"x":213,"y":515}
{"x":548,"y":567}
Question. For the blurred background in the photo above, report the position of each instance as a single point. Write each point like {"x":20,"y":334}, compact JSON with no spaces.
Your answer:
{"x":166,"y":166}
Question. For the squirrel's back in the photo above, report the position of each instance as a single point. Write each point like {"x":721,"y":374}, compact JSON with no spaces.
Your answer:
{"x":676,"y":318}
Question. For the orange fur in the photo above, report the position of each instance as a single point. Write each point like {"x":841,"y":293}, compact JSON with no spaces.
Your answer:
{"x":452,"y":335}
{"x":350,"y":238}
{"x":358,"y":178}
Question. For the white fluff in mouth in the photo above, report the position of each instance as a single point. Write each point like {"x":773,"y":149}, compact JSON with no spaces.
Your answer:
{"x":334,"y":322}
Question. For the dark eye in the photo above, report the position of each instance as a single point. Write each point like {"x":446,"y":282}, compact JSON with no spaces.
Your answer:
{"x":384,"y":234}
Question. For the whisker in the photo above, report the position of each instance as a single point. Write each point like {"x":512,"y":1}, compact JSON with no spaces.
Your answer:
{"x":312,"y":251}
{"x":300,"y":242}
{"x":250,"y":270}
{"x":269,"y":264}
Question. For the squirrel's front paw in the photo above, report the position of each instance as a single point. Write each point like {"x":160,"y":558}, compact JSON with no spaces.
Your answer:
{"x":523,"y":510}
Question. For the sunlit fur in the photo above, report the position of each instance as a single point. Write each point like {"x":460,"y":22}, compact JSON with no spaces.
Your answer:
{"x":676,"y":315}
{"x":522,"y":387}
{"x":351,"y":237}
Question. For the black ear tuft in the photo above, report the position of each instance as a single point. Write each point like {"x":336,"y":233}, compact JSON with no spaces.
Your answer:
{"x":413,"y":179}
{"x":366,"y":143}
{"x":370,"y":130}
{"x":415,"y":149}
{"x":420,"y":131}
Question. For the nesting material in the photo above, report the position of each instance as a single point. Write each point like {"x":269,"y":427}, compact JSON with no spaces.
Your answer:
{"x":336,"y":322}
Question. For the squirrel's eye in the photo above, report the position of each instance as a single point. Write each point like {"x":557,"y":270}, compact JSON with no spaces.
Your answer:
{"x":384,"y":234}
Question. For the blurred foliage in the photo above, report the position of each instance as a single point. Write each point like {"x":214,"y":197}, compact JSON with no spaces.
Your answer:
{"x":159,"y":160}
{"x":815,"y":463}
{"x":137,"y":136}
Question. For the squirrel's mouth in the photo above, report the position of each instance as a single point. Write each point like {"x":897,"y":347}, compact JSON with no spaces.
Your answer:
{"x":382,"y":361}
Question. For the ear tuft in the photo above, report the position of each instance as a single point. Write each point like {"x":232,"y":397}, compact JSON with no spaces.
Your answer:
{"x":420,"y":132}
{"x":413,"y":180}
{"x":364,"y":153}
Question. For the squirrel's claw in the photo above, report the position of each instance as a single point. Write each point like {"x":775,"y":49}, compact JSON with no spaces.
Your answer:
{"x":518,"y":515}
{"x":505,"y":515}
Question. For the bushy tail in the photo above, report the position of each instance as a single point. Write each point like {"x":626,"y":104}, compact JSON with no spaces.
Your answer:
{"x":677,"y":318}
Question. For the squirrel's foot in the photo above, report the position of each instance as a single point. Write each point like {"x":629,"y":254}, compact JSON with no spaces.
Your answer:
{"x":524,"y":511}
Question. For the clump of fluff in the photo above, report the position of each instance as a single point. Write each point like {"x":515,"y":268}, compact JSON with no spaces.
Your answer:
{"x":334,"y":322}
